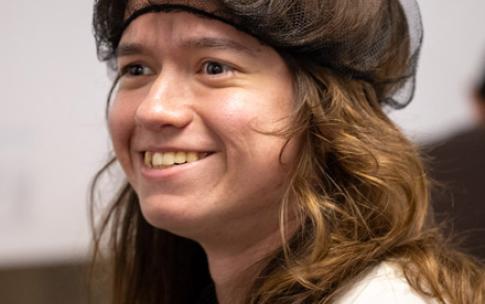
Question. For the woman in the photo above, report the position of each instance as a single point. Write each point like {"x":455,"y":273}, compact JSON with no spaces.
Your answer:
{"x":260,"y":165}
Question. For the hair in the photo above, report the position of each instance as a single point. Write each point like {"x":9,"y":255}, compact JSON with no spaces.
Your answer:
{"x":359,"y":184}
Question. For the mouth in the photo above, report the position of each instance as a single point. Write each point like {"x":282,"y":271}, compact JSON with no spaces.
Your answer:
{"x":164,"y":160}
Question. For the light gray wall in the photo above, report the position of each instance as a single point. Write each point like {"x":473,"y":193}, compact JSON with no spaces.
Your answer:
{"x":53,"y":136}
{"x":52,"y":131}
{"x":453,"y":56}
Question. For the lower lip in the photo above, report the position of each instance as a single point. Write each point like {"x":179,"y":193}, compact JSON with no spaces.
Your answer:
{"x":159,"y":174}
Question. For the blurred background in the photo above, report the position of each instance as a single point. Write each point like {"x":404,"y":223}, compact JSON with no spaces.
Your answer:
{"x":53,"y":136}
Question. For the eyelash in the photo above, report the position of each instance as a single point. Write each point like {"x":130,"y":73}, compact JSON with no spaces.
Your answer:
{"x":224,"y":68}
{"x":127,"y":70}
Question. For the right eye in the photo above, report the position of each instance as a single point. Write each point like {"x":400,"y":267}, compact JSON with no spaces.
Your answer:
{"x":135,"y":70}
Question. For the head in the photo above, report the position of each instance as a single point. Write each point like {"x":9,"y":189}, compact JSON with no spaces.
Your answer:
{"x":269,"y":101}
{"x":193,"y":122}
{"x":479,"y":98}
{"x":280,"y":105}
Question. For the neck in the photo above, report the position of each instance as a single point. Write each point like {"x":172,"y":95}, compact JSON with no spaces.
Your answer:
{"x":235,"y":264}
{"x":233,"y":272}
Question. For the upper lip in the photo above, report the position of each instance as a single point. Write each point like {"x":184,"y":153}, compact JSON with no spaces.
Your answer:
{"x":174,"y":148}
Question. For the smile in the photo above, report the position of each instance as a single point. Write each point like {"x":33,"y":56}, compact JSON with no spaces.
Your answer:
{"x":162,"y":160}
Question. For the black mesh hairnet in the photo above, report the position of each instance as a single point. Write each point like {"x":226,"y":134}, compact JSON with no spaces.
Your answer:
{"x":377,"y":41}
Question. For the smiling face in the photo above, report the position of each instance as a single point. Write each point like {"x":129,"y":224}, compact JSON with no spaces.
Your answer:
{"x":186,"y":120}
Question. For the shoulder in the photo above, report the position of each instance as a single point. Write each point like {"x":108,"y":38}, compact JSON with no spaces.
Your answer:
{"x":383,"y":284}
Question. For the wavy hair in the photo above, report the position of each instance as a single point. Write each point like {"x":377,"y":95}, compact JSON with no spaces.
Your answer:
{"x":359,"y":184}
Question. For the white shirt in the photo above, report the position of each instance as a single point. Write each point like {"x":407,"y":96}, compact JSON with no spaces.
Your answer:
{"x":385,"y":284}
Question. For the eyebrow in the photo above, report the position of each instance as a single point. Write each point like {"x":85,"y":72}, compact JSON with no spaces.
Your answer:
{"x":127,"y":49}
{"x":219,"y":43}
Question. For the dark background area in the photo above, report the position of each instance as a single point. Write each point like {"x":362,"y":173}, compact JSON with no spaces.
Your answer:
{"x":49,"y":284}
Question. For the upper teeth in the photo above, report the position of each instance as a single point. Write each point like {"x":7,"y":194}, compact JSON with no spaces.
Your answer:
{"x":159,"y":159}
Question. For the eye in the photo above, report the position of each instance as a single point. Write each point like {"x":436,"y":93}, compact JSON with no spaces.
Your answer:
{"x":135,"y":70}
{"x":215,"y":68}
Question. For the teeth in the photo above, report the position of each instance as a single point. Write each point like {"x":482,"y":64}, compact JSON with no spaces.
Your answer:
{"x":165,"y":159}
{"x":148,"y":159}
{"x":157,"y":159}
{"x":180,"y":157}
{"x":168,"y":158}
{"x":192,"y":157}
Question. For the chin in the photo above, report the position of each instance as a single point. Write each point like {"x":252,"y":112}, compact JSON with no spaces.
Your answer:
{"x":172,"y":215}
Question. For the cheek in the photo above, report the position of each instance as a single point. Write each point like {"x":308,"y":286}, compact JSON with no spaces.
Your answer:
{"x":120,"y":124}
{"x":230,"y":118}
{"x":242,"y":121}
{"x":241,"y":118}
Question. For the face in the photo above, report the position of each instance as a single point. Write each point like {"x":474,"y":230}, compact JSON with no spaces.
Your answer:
{"x":479,"y":106}
{"x":187,"y":119}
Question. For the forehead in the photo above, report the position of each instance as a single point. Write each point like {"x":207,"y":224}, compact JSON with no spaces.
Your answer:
{"x":181,"y":28}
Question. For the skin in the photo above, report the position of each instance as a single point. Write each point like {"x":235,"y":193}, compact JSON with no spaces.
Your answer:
{"x":195,"y":84}
{"x":479,"y":105}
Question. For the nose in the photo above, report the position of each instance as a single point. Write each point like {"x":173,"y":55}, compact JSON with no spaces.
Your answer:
{"x":165,"y":105}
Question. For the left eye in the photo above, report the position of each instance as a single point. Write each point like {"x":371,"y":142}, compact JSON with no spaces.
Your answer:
{"x":134,"y":70}
{"x":215,"y":68}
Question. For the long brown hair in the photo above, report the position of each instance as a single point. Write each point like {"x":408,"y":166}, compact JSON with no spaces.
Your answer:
{"x":359,"y":184}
